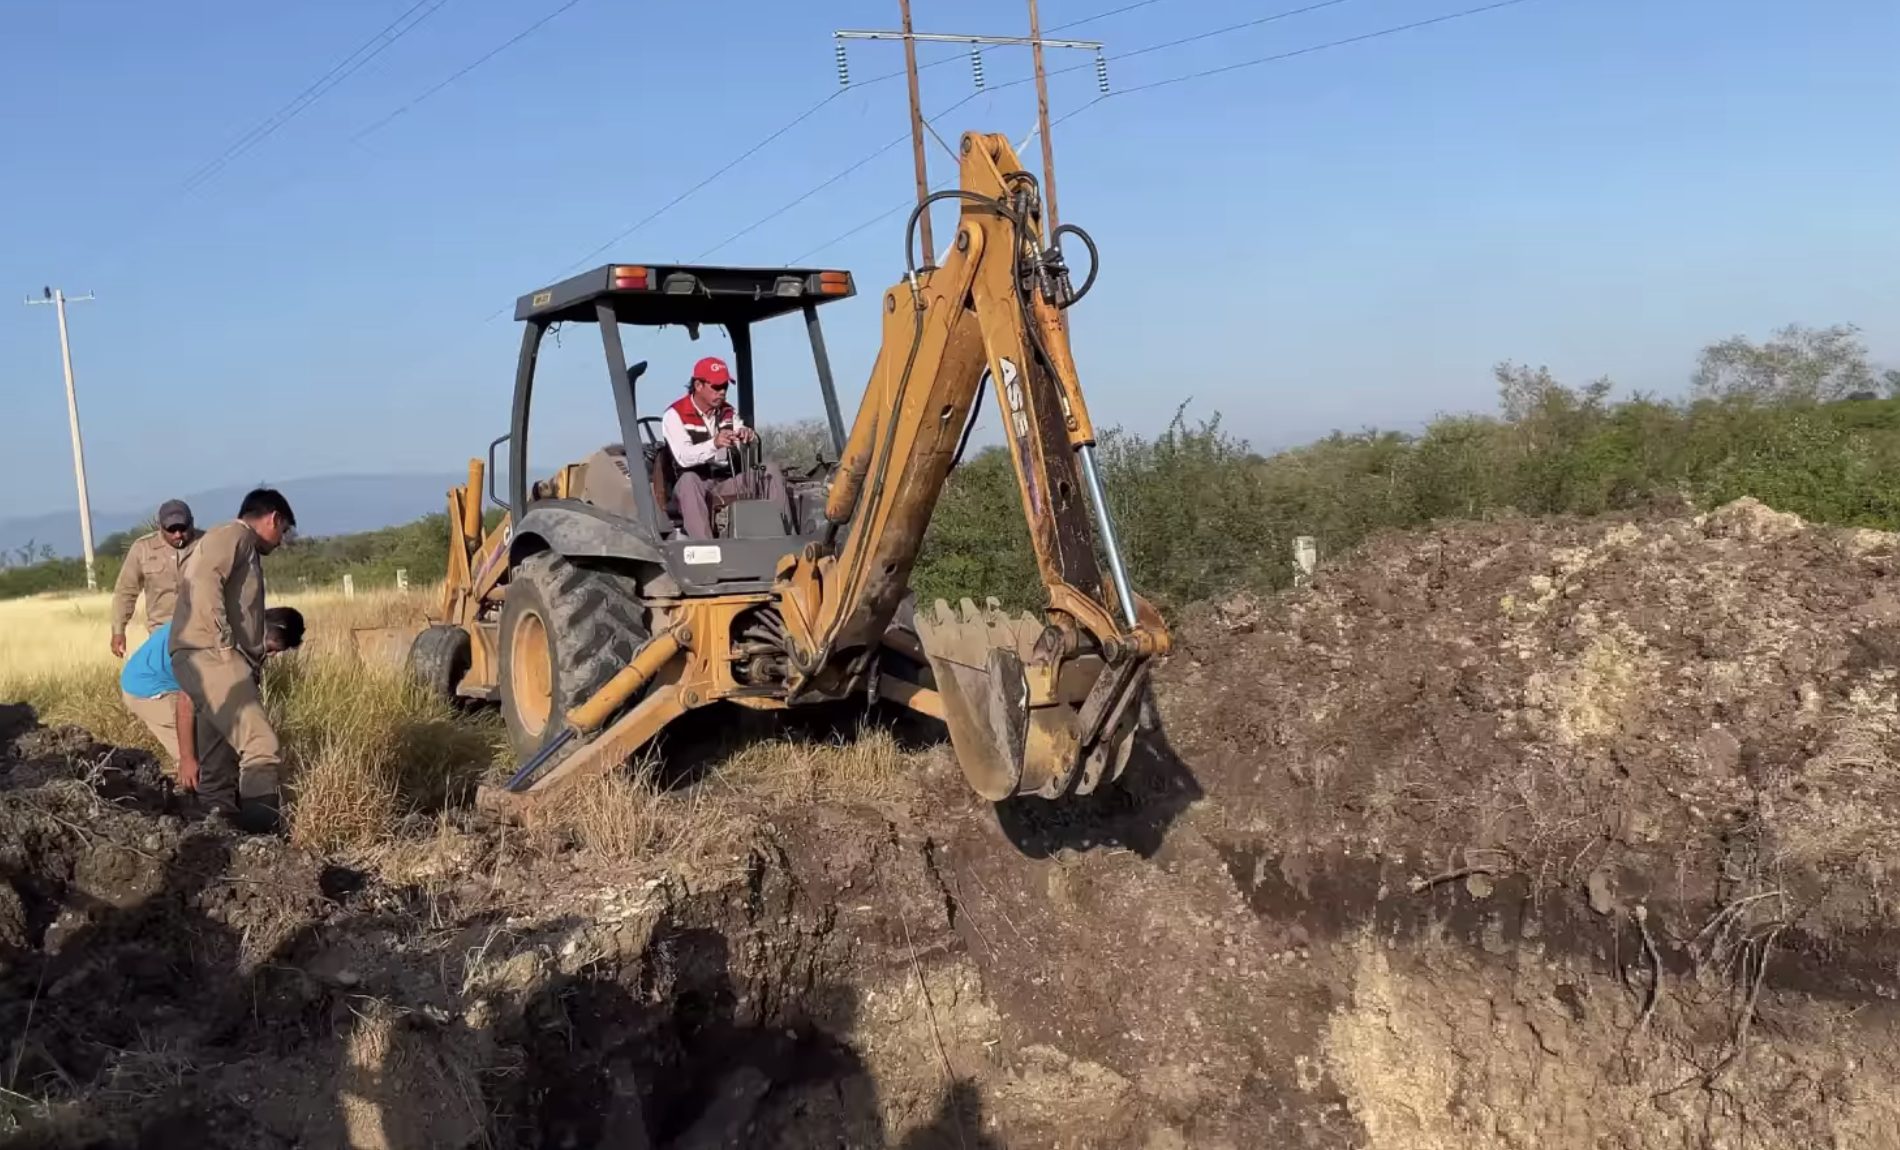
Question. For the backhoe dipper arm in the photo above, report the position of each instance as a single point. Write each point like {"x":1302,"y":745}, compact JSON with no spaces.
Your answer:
{"x":1065,"y":685}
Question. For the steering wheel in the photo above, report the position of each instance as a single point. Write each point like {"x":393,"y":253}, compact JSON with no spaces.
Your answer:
{"x":656,"y":434}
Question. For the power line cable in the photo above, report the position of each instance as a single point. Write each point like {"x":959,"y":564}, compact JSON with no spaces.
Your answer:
{"x":1278,"y":57}
{"x":470,"y":67}
{"x":322,"y":86}
{"x":722,"y":170}
{"x":1227,"y":31}
{"x":757,"y":224}
{"x":1100,"y":16}
{"x":862,"y":162}
{"x":1275,"y":58}
{"x":769,"y":217}
{"x":793,"y":123}
{"x":808,"y":113}
{"x":1010,"y":84}
{"x":1230,"y":29}
{"x":886,"y":214}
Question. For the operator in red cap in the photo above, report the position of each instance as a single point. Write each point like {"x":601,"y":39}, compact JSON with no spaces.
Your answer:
{"x":700,"y":428}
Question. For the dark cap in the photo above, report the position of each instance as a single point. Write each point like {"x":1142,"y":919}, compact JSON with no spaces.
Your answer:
{"x":174,"y":513}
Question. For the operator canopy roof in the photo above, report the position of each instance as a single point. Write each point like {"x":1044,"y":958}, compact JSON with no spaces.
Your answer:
{"x":659,"y":294}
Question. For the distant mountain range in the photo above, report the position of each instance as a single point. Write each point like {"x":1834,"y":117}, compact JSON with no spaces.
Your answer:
{"x":326,"y":505}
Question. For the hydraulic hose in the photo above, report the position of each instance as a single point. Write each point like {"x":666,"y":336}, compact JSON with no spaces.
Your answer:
{"x":1095,"y":259}
{"x":917,"y":213}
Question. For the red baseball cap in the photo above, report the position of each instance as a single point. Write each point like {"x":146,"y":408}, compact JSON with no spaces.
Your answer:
{"x":712,"y":369}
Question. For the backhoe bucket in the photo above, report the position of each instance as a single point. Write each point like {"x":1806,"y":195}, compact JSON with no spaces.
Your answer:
{"x":1015,"y":723}
{"x":385,"y":646}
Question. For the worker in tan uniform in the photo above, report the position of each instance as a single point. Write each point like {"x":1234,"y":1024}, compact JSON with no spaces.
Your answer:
{"x":151,"y":692}
{"x":151,"y":568}
{"x":218,"y":643}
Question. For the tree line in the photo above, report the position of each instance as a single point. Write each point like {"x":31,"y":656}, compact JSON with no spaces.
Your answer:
{"x":1797,"y":421}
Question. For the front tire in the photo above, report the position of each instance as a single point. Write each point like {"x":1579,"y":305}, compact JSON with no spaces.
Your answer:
{"x":439,"y":657}
{"x":566,"y":628}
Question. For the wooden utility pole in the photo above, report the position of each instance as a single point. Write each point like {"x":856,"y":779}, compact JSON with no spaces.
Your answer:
{"x":58,"y":299}
{"x":1042,"y":124}
{"x":917,"y":133}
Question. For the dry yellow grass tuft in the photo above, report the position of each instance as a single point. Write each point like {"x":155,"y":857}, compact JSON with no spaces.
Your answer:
{"x":628,"y":817}
{"x":363,"y":745}
{"x":868,"y":768}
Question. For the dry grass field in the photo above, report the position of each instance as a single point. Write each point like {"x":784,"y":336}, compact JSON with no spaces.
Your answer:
{"x":366,"y":748}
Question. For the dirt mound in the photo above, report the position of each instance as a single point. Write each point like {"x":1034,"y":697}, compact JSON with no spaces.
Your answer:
{"x":1515,"y":835}
{"x":1629,"y":699}
{"x":1519,"y":774}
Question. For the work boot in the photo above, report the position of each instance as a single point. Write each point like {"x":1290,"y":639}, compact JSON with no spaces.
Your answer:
{"x":259,"y":816}
{"x":218,"y":810}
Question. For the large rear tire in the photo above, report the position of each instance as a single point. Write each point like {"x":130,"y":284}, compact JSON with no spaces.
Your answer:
{"x":566,"y":628}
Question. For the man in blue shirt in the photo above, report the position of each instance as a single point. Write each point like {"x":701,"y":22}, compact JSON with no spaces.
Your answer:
{"x":150,"y":691}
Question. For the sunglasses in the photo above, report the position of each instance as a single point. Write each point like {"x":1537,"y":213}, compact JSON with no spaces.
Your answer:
{"x":182,"y":529}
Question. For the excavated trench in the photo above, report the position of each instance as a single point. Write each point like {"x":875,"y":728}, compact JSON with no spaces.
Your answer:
{"x":1508,"y":836}
{"x":849,"y":980}
{"x":165,"y":984}
{"x":1335,"y":897}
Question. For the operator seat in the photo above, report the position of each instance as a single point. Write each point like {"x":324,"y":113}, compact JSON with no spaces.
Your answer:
{"x":663,"y":473}
{"x":606,"y":484}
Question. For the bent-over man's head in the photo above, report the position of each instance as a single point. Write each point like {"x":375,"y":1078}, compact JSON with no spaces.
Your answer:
{"x":283,"y":630}
{"x":268,"y":514}
{"x":174,"y":522}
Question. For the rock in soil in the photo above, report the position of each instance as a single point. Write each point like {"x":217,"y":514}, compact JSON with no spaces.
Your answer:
{"x":1509,"y":835}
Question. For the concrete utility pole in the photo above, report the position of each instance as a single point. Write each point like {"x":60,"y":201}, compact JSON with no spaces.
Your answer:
{"x":1034,"y":41}
{"x":58,"y":299}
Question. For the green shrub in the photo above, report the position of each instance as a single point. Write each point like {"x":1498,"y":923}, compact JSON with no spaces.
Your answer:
{"x":1198,"y":512}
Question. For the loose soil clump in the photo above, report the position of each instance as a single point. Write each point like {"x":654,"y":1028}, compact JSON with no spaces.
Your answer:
{"x":1517,"y":834}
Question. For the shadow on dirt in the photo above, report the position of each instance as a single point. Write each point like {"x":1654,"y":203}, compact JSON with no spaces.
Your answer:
{"x":367,"y":1027}
{"x":16,"y":719}
{"x":959,"y":1117}
{"x":79,"y":1002}
{"x":1135,"y":812}
{"x":670,"y":1053}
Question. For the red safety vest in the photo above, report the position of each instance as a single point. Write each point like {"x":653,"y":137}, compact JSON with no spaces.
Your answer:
{"x":695,"y":423}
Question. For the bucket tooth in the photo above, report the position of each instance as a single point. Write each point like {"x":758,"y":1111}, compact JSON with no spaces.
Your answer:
{"x":970,"y":614}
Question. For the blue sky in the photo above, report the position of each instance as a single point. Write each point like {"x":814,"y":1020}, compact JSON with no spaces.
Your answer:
{"x":1341,"y":239}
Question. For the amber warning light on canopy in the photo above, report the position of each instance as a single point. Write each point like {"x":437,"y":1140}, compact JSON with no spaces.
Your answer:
{"x":630,"y":277}
{"x":834,"y":283}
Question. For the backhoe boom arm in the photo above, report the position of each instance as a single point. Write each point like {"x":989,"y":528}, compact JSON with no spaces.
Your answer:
{"x":1032,"y":704}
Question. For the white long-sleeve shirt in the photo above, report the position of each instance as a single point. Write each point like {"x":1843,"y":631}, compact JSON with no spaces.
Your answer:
{"x":686,"y":453}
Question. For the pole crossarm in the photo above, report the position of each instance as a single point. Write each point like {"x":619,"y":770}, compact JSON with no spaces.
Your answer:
{"x":909,"y":37}
{"x":958,"y":38}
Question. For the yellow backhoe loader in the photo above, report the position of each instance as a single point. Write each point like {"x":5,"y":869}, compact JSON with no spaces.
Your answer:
{"x":594,"y":621}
